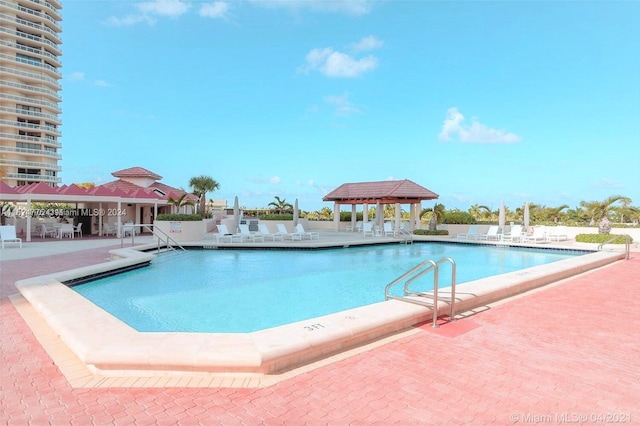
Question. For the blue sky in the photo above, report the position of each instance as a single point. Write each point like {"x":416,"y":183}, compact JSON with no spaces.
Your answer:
{"x":478,"y":101}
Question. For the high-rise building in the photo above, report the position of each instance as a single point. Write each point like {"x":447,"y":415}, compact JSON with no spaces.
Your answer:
{"x":30,"y":91}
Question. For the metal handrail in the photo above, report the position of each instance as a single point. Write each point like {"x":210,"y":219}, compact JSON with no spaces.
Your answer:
{"x":417,"y":272}
{"x":627,"y":244}
{"x":153,"y":230}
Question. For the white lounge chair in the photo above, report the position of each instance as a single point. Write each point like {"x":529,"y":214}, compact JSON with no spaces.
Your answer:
{"x":539,"y":235}
{"x":248,"y":235}
{"x":558,"y":233}
{"x":8,"y":235}
{"x":490,"y":235}
{"x":387,"y":230}
{"x":514,"y":235}
{"x":288,"y":235}
{"x":470,"y":235}
{"x":367,"y":229}
{"x":312,"y":235}
{"x":223,"y":233}
{"x":276,"y":236}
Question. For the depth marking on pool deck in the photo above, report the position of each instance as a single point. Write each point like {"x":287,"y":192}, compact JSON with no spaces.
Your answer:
{"x":79,"y":376}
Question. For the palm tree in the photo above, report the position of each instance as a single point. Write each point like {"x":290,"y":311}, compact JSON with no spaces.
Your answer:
{"x":599,"y":211}
{"x":479,"y":212}
{"x":281,"y":205}
{"x":437,"y":211}
{"x":180,"y":202}
{"x":200,"y":185}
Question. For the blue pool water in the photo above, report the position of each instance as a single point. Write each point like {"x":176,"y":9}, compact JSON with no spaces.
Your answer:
{"x":239,"y":291}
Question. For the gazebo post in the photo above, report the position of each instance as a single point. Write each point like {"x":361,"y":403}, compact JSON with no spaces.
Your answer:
{"x":412,"y":217}
{"x":336,"y":216}
{"x":398,"y":218}
{"x":353,"y":216}
{"x":365,"y":212}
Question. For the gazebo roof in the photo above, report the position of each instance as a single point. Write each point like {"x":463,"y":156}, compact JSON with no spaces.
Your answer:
{"x":386,"y":192}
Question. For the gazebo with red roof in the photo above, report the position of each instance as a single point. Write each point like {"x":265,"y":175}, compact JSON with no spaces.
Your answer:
{"x":395,"y":192}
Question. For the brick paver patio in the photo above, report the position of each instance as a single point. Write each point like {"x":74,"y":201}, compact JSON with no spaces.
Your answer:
{"x":570,"y":352}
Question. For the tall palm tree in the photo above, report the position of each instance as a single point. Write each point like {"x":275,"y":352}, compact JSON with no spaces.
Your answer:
{"x":437,"y":211}
{"x":599,"y":211}
{"x":281,"y":205}
{"x":479,"y":212}
{"x":200,"y":185}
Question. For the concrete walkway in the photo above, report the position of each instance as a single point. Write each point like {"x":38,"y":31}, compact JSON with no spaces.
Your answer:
{"x":566,"y":353}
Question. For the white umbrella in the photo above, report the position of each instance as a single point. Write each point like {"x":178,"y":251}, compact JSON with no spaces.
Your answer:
{"x":526,"y":215}
{"x":236,"y":215}
{"x":502,"y":216}
{"x":295,"y":213}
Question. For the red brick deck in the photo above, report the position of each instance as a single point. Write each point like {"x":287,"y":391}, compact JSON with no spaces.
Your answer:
{"x":570,"y":351}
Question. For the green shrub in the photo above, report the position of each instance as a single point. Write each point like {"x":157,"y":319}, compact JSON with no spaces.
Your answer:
{"x":428,"y":232}
{"x":179,"y":217}
{"x":277,"y":216}
{"x":458,"y":217}
{"x":601,"y":238}
{"x":346,"y":216}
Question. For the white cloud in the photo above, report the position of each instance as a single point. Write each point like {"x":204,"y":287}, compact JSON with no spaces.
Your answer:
{"x":148,"y":9}
{"x":76,"y":76}
{"x":337,"y":64}
{"x":216,"y":9}
{"x":130,"y":20}
{"x":101,"y":83}
{"x":170,"y":8}
{"x":343,"y":106}
{"x":367,"y":43}
{"x":272,"y":179}
{"x":349,"y":7}
{"x":454,"y":127}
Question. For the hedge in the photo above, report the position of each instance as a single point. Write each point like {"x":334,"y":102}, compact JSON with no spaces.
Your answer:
{"x":175,"y":217}
{"x":602,"y":238}
{"x":428,"y":232}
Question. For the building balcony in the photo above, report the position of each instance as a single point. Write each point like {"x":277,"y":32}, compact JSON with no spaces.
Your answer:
{"x":30,"y":164}
{"x":27,"y":113}
{"x":34,"y":178}
{"x":51,"y":94}
{"x":27,"y":13}
{"x":31,"y":139}
{"x":51,"y":106}
{"x":36,"y":78}
{"x":34,"y":152}
{"x":29,"y":127}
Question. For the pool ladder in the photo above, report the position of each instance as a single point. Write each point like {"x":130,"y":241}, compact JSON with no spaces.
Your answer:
{"x":418,"y":297}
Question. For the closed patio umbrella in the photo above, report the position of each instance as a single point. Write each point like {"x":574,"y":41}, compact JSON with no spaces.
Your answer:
{"x":526,"y":215}
{"x":502,"y":216}
{"x":236,"y":215}
{"x":295,"y":213}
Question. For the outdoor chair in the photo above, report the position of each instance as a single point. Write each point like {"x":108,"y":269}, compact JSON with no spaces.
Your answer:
{"x":8,"y":235}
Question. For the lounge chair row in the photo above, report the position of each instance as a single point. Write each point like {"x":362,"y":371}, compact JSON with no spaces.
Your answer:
{"x":540,"y":234}
{"x":263,"y":234}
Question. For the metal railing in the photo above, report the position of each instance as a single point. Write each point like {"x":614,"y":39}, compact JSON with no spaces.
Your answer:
{"x":419,"y":271}
{"x":130,"y":228}
{"x":406,"y":236}
{"x":627,"y":244}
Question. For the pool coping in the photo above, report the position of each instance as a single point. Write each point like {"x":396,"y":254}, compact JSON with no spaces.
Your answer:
{"x":109,"y":347}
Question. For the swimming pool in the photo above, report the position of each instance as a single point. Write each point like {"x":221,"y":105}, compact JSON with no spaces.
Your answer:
{"x":240,"y":291}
